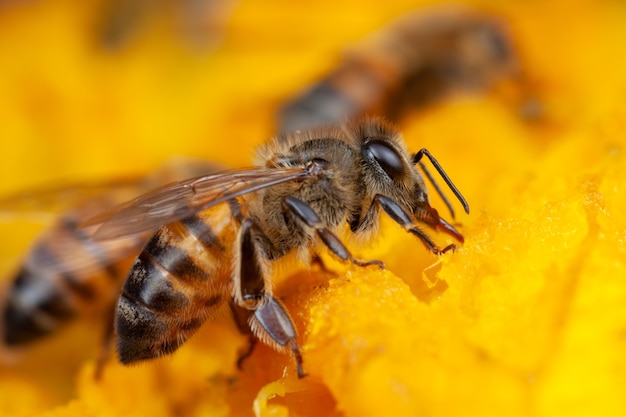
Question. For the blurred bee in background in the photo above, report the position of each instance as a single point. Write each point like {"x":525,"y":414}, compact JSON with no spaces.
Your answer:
{"x":219,"y":235}
{"x":416,"y":60}
{"x":67,"y":275}
{"x":201,"y":21}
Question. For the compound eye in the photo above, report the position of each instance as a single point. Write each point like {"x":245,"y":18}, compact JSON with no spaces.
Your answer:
{"x":386,"y":156}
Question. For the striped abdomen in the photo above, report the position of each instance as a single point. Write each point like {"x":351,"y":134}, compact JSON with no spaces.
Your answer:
{"x":411,"y":63}
{"x":177,"y":282}
{"x":65,"y":275}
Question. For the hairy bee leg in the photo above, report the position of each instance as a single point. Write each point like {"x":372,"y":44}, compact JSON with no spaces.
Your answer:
{"x":241,"y":317}
{"x":306,"y":214}
{"x":272,"y":324}
{"x":403,"y":219}
{"x":250,"y":272}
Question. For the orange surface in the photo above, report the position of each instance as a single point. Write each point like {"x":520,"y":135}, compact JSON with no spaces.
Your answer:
{"x":527,"y":318}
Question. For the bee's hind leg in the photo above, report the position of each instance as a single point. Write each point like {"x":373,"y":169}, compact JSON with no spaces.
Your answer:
{"x":274,"y":326}
{"x":269,"y":321}
{"x":305,"y":214}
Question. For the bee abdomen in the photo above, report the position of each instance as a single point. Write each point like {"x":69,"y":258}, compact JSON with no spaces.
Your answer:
{"x":150,"y":284}
{"x":203,"y":232}
{"x":159,"y":288}
{"x":34,"y":309}
{"x":138,"y":329}
{"x":144,"y":334}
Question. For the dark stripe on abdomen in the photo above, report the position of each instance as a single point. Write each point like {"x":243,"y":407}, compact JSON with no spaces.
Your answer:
{"x":173,"y":259}
{"x":34,"y":308}
{"x":137,"y":328}
{"x":48,"y":265}
{"x":85,"y":241}
{"x":148,"y":284}
{"x":203,"y":232}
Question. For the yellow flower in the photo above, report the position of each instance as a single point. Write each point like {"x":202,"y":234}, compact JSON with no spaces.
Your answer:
{"x":526,"y":318}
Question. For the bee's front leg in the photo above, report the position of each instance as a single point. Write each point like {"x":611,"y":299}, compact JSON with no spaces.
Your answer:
{"x":270,"y":321}
{"x":304,"y":214}
{"x":398,"y":215}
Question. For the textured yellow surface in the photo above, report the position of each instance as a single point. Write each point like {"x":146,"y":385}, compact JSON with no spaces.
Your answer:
{"x":527,"y":318}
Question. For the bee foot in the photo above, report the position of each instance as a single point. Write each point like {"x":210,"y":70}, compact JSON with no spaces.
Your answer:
{"x":359,"y":262}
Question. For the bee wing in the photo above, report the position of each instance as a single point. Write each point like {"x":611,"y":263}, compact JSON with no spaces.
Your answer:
{"x":176,"y":201}
{"x":49,"y":201}
{"x":47,"y":255}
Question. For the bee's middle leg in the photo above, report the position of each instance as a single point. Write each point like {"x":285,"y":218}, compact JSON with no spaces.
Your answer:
{"x":269,"y":321}
{"x":317,"y":260}
{"x":242,"y":320}
{"x":301,"y":211}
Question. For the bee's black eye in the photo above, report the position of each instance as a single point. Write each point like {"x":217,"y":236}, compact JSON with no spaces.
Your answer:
{"x":386,"y":156}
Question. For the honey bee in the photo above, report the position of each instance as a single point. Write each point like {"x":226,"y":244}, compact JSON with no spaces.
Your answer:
{"x":202,"y":21}
{"x":417,"y":59}
{"x":66,"y":274}
{"x":218,"y":236}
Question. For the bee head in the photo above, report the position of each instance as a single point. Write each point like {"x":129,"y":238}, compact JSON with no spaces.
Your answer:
{"x":388,"y":166}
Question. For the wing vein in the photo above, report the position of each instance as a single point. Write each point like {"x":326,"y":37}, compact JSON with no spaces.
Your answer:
{"x":176,"y":201}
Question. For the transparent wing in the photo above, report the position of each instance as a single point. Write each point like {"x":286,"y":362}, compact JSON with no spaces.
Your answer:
{"x":59,"y":197}
{"x":175,"y":202}
{"x":51,"y":253}
{"x":54,"y":199}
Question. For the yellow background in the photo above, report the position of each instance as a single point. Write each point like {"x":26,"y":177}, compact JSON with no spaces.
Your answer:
{"x":526,"y":319}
